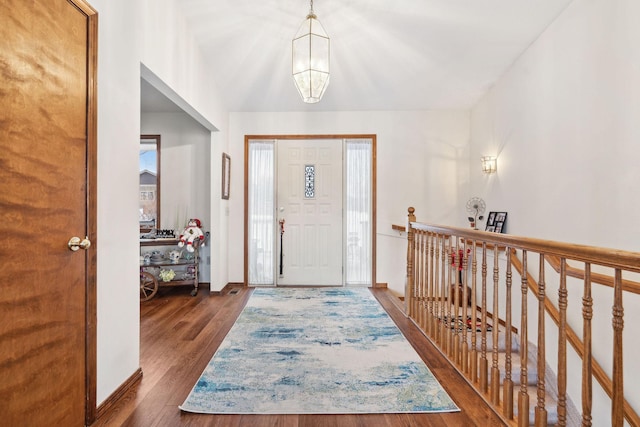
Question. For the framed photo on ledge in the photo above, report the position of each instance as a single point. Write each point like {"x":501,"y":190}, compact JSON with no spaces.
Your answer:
{"x":496,"y":222}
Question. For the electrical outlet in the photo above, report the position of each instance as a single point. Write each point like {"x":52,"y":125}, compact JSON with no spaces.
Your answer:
{"x":208,"y":260}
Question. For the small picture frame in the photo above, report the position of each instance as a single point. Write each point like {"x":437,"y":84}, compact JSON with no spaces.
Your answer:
{"x":226,"y":176}
{"x":496,"y":222}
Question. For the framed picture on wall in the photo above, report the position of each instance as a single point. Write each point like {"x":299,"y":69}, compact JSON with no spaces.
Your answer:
{"x":496,"y":222}
{"x":226,"y":175}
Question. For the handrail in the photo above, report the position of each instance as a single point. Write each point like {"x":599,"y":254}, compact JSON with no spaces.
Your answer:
{"x":613,"y":258}
{"x":432,"y":300}
{"x":601,"y":279}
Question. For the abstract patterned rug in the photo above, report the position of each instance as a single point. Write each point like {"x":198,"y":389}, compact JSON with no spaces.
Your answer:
{"x":315,"y":351}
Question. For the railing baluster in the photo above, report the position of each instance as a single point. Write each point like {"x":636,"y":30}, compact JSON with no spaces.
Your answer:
{"x":408,"y":291}
{"x":415,"y":314}
{"x":436,"y":300}
{"x":617,"y":406}
{"x":473,"y":357}
{"x":429,"y":287}
{"x":419,"y":279}
{"x":443,"y":294}
{"x":523,"y":396}
{"x":541,"y":410}
{"x":431,"y":317}
{"x":450,"y":304}
{"x":484,"y":362}
{"x":424,"y":287}
{"x":457,"y":263}
{"x":495,"y":370}
{"x":465,"y":309}
{"x":562,"y":345}
{"x":418,"y":282}
{"x":587,"y":364}
{"x":508,"y":381}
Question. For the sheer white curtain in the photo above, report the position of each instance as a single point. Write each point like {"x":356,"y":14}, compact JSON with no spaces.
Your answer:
{"x":358,"y":211}
{"x":261,"y":212}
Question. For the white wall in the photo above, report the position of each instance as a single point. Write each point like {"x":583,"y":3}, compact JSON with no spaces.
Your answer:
{"x":169,"y":51}
{"x":118,"y":142}
{"x":185,"y":168}
{"x":418,"y":164}
{"x":185,"y":173}
{"x":564,"y":124}
{"x":131,"y":32}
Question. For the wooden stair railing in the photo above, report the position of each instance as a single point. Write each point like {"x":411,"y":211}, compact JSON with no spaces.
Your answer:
{"x":442,"y":289}
{"x":578,"y":345}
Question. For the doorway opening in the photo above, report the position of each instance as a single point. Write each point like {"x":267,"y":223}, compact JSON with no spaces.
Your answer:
{"x":310,"y":210}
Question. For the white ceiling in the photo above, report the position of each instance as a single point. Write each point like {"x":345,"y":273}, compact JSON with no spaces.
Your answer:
{"x":385,"y":54}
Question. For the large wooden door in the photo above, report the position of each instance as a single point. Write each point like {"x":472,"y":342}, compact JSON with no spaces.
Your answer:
{"x":309,"y":199}
{"x":47,"y":170}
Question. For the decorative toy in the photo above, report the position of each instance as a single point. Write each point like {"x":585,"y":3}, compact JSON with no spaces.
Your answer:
{"x":191,"y":235}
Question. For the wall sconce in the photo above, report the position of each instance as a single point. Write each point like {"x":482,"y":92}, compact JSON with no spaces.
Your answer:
{"x":489,"y":164}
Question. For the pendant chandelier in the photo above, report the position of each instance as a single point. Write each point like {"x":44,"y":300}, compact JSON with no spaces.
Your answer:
{"x":310,"y":66}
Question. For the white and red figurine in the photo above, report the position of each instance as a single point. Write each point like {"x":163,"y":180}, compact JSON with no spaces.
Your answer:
{"x":191,"y":234}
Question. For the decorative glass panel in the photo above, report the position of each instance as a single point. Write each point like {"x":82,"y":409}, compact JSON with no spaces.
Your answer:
{"x":309,"y":181}
{"x":261,"y":212}
{"x":358,"y":212}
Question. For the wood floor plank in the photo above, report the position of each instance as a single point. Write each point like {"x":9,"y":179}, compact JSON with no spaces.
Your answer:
{"x":179,"y":335}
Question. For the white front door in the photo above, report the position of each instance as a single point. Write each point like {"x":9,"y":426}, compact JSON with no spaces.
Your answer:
{"x":309,"y":199}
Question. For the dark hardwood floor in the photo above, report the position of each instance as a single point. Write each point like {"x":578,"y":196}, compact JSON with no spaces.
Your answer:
{"x":180,"y":333}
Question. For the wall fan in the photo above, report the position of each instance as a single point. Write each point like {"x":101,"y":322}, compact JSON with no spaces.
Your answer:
{"x":475,"y":207}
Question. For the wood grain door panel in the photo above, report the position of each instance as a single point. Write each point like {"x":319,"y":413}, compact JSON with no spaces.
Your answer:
{"x":44,"y":131}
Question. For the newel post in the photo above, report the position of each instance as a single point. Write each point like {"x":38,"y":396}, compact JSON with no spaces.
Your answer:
{"x":408,"y":287}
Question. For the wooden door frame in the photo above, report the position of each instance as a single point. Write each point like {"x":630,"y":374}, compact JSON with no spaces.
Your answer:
{"x":340,"y":137}
{"x":92,"y":203}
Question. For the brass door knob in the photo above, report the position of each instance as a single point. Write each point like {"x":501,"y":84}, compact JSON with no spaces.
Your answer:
{"x":76,"y":243}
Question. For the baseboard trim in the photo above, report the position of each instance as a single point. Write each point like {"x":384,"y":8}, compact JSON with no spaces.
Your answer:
{"x":235,"y":284}
{"x":110,"y":401}
{"x":241,"y":284}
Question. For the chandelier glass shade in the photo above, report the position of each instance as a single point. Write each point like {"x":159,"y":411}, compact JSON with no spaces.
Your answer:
{"x":310,"y":65}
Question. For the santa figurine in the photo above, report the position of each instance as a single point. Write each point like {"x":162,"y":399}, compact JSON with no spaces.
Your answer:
{"x":191,"y":234}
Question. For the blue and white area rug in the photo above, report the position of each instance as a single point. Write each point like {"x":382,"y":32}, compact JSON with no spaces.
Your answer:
{"x":316,"y":351}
